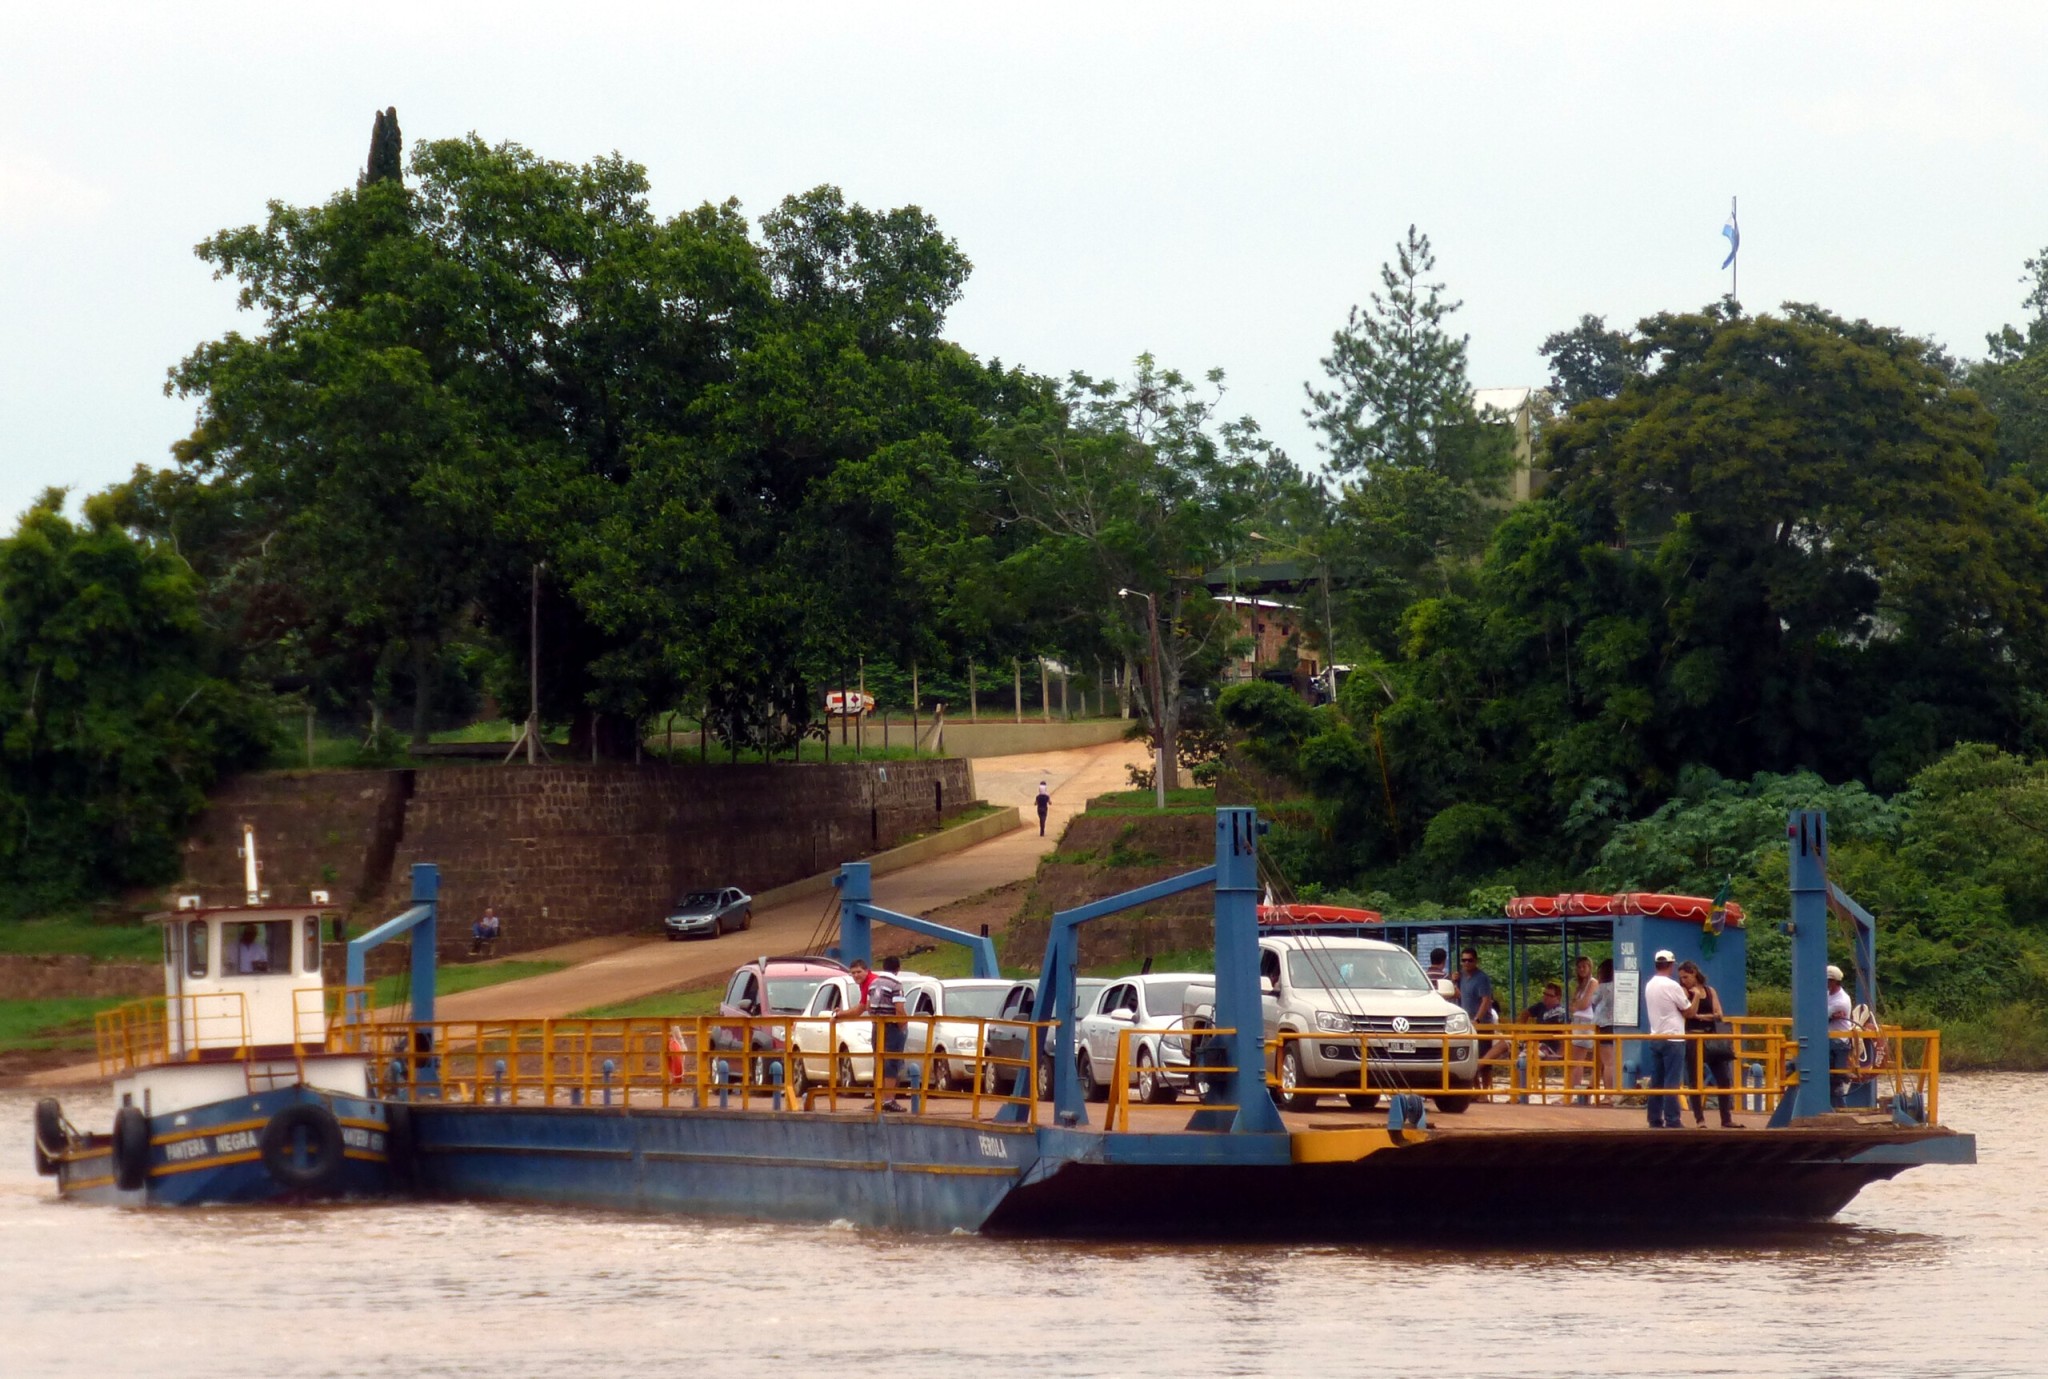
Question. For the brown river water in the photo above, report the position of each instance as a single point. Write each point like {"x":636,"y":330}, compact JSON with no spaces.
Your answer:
{"x":1943,"y":1271}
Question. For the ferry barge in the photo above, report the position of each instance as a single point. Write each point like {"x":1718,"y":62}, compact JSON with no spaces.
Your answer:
{"x":710,"y":1115}
{"x":239,"y":1083}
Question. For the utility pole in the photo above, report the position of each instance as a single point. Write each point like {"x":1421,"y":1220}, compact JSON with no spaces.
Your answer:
{"x":533,"y":669}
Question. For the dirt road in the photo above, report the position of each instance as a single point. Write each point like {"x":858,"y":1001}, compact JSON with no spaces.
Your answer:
{"x":633,"y":969}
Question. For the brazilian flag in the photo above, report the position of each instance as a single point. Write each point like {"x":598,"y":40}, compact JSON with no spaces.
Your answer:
{"x":1717,"y":918}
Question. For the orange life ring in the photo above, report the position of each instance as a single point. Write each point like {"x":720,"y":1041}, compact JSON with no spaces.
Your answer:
{"x":1316,"y":914}
{"x":1652,"y":903}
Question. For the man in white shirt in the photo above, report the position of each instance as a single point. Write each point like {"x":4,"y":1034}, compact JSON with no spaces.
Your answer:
{"x":251,"y":954}
{"x":1840,"y":1021}
{"x":1666,"y":1005}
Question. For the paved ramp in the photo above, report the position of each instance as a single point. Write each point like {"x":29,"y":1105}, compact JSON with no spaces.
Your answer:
{"x":634,"y":969}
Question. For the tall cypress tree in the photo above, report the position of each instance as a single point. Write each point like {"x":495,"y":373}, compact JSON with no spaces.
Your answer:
{"x":386,"y":151}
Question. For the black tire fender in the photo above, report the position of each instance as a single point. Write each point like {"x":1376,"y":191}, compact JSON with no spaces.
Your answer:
{"x":322,"y":1168}
{"x":131,"y":1148}
{"x":50,"y":1136}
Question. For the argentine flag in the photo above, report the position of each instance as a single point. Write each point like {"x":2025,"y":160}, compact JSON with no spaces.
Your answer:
{"x":1733,"y":234}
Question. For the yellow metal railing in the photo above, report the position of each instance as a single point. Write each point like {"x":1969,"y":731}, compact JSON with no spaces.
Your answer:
{"x":1559,"y":1064}
{"x":822,"y":1062}
{"x":832,"y":1063}
{"x":166,"y":1029}
{"x":1195,"y":1073}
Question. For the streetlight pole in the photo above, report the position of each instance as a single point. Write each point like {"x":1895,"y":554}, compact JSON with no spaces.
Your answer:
{"x":1158,"y":695}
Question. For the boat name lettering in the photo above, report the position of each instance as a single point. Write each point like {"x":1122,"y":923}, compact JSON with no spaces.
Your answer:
{"x":357,"y":1138}
{"x":992,"y":1147}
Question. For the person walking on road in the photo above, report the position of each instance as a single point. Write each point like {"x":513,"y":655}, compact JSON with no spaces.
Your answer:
{"x":1044,"y":803}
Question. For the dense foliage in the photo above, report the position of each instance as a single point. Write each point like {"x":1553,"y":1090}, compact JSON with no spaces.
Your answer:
{"x":119,"y":709}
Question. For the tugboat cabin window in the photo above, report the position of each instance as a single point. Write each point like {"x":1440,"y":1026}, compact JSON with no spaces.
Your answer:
{"x":258,"y":948}
{"x":312,"y":957}
{"x":195,"y":947}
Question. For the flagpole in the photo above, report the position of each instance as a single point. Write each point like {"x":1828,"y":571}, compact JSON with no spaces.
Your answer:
{"x":1735,"y":259}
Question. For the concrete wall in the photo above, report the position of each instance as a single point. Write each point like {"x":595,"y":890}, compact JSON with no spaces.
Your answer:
{"x":43,"y":976}
{"x":564,"y":852}
{"x":329,"y":830}
{"x":1005,"y":739}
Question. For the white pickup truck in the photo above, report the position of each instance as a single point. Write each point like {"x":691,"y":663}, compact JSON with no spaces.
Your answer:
{"x":1351,"y":986}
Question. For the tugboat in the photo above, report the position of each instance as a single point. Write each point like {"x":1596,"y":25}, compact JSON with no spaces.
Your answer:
{"x":240,"y":1083}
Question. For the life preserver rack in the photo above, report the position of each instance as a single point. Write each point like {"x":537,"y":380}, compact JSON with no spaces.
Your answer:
{"x":1316,"y":914}
{"x":1581,"y":904}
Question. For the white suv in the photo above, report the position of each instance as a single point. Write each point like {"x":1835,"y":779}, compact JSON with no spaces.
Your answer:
{"x":1353,"y":986}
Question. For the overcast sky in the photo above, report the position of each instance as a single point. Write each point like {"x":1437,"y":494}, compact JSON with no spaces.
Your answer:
{"x":1215,"y":184}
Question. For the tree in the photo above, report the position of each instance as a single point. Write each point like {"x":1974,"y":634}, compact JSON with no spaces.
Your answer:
{"x":337,"y":426}
{"x":1589,"y":361}
{"x":1421,"y":471}
{"x":116,"y":711}
{"x":1135,"y":486}
{"x":1839,"y":584}
{"x":2013,"y":381}
{"x":387,"y":150}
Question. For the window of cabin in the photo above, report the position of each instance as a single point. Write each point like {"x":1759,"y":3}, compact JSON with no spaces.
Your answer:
{"x":258,"y":948}
{"x":311,"y":960}
{"x":195,"y":948}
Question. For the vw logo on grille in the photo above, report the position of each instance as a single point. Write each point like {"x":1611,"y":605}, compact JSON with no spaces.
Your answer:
{"x":1400,"y":1024}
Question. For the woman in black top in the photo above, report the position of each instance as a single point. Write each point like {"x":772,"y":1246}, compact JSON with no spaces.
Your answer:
{"x":1715,"y":1059}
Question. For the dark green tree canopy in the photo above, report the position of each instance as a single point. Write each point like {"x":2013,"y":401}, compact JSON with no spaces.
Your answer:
{"x":119,"y":708}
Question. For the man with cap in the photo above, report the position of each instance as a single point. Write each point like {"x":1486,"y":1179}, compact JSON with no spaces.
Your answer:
{"x":1666,"y":1005}
{"x":1839,"y":1024}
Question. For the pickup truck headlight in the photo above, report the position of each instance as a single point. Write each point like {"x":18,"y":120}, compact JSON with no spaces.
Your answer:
{"x":1458,"y":1022}
{"x":1330,"y":1022}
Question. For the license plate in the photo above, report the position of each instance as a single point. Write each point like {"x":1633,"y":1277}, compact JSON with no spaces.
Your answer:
{"x":1400,"y":1046}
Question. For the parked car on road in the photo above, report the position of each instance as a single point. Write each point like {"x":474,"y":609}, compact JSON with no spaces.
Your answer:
{"x":707,"y":914}
{"x":1151,"y":1007}
{"x":1352,"y":986}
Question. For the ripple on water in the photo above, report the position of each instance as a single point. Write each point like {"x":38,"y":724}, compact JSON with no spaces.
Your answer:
{"x":1935,"y":1272}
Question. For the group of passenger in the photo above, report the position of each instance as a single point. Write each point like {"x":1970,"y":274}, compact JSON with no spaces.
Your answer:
{"x":1676,"y":1005}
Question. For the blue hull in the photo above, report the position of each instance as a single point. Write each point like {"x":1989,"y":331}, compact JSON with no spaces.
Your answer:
{"x":938,"y":1175}
{"x":898,"y":1172}
{"x":212,"y":1154}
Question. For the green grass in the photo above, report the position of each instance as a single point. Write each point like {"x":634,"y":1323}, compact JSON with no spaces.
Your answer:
{"x":667,"y":1003}
{"x":685,"y":753}
{"x":75,"y":931}
{"x":60,"y":1022}
{"x":1199,"y":799}
{"x":1185,"y":960}
{"x":464,"y":976}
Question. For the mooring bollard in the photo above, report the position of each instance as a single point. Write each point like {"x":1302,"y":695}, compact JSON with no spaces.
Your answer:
{"x":498,"y":1082}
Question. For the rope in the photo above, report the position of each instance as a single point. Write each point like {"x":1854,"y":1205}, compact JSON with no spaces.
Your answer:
{"x":826,"y":930}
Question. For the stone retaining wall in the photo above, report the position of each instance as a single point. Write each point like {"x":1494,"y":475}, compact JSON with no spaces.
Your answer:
{"x":43,"y":976}
{"x":564,"y":852}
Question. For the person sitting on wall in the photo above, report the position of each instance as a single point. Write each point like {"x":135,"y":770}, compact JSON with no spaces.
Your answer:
{"x":251,"y":954}
{"x":483,"y":935}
